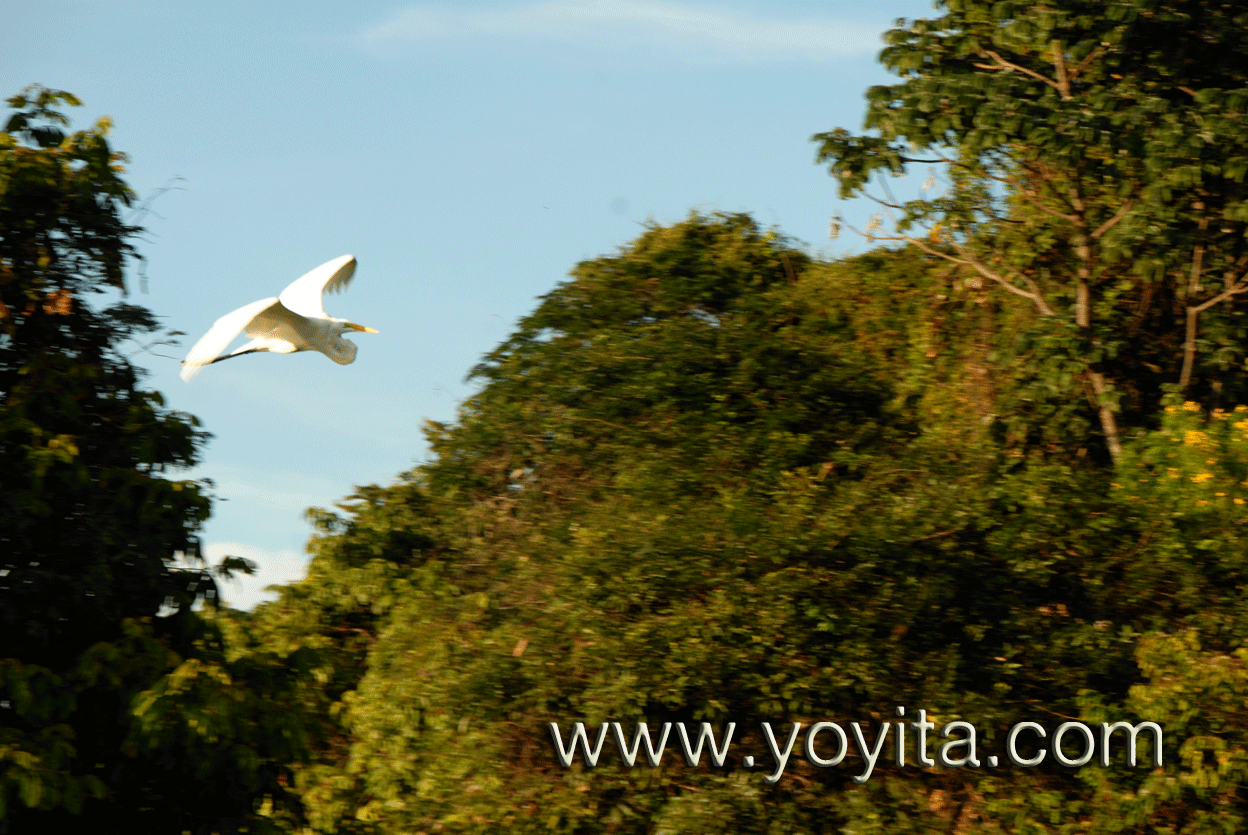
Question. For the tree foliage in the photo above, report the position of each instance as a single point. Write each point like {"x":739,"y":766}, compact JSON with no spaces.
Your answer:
{"x":997,"y":474}
{"x":105,"y":699}
{"x":709,"y":479}
{"x":1096,"y":159}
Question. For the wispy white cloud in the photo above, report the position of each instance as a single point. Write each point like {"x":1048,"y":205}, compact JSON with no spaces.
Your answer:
{"x":692,"y":31}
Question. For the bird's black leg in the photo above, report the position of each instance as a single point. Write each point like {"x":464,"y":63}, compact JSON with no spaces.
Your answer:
{"x":238,"y":354}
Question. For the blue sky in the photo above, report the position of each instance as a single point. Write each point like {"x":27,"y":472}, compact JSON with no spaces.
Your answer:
{"x":469,"y":154}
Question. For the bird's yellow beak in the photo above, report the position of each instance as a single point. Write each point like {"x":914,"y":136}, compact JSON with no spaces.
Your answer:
{"x":361,"y":328}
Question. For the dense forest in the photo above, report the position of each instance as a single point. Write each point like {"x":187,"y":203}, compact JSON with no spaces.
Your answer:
{"x":994,"y":470}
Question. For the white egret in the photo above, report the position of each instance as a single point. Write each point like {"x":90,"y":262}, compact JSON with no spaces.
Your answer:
{"x":294,"y":321}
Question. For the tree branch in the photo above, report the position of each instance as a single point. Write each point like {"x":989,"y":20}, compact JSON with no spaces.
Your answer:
{"x":883,"y":203}
{"x":974,"y":263}
{"x":1189,"y":349}
{"x":1113,"y":221}
{"x":1193,"y":312}
{"x":1083,"y":318}
{"x":1003,"y":64}
{"x":1240,"y":286}
{"x":1059,"y":66}
{"x":1083,"y":65}
{"x":1109,"y":424}
{"x":1198,"y":255}
{"x":1047,"y":210}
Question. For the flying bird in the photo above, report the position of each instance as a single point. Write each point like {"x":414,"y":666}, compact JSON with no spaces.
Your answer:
{"x":293,"y":321}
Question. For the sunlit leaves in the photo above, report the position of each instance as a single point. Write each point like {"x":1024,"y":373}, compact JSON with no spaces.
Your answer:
{"x":1090,"y":146}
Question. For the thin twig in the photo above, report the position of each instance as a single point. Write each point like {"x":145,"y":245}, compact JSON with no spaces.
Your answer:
{"x":974,"y":264}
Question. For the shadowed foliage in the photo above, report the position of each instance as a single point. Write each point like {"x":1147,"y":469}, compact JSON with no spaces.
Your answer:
{"x":118,"y":706}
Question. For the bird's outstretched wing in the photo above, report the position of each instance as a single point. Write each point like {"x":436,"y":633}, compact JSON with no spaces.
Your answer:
{"x":278,"y":323}
{"x":220,"y":335}
{"x":303,"y":296}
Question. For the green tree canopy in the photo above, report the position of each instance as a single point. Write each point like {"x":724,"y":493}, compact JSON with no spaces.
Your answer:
{"x":709,"y":478}
{"x":92,"y":725}
{"x":712,"y":479}
{"x":1096,"y":157}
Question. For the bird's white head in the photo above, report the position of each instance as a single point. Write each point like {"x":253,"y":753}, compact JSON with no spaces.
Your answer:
{"x":341,"y":327}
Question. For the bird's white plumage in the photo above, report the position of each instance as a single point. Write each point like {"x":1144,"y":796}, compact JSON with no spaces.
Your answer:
{"x":303,"y":296}
{"x":221,"y":334}
{"x":293,"y":321}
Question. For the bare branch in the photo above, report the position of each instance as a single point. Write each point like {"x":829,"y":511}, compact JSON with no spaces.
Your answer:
{"x":1083,"y":65}
{"x":1189,"y":350}
{"x":974,"y":263}
{"x":1035,"y":288}
{"x":1198,"y":255}
{"x":935,"y":535}
{"x":1041,"y":172}
{"x":1076,"y":201}
{"x":978,"y":170}
{"x":1003,"y":64}
{"x":1240,"y":286}
{"x":1109,"y":424}
{"x":1113,"y":221}
{"x":883,"y":203}
{"x":1059,"y":66}
{"x":888,"y":192}
{"x":1021,"y":192}
{"x":1228,"y":277}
